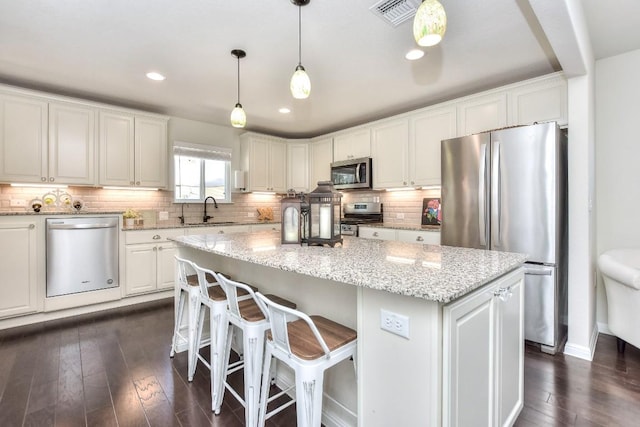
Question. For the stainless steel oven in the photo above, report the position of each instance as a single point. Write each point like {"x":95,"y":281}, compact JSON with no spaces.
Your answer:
{"x":82,"y":254}
{"x":360,"y":213}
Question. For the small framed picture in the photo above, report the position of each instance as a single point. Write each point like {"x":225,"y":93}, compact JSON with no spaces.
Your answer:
{"x":431,"y":213}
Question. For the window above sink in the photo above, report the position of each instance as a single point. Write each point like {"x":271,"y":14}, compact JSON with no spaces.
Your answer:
{"x":201,"y":171}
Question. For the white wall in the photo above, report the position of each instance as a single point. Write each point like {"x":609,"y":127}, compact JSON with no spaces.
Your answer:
{"x":617,"y":159}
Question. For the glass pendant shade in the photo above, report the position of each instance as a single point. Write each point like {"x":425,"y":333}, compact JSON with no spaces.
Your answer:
{"x":430,"y":23}
{"x":300,"y":83}
{"x":238,"y":117}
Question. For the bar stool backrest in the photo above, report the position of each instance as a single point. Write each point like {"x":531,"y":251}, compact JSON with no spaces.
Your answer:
{"x":185,"y":268}
{"x":278,"y":316}
{"x":231,"y":288}
{"x":202,"y":280}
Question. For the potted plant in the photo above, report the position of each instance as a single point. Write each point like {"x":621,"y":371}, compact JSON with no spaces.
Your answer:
{"x":130,"y":216}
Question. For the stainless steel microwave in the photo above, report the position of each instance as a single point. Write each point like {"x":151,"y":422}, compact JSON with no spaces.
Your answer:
{"x":351,"y":174}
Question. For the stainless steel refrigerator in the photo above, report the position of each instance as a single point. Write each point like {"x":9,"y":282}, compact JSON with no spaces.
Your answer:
{"x":506,"y":190}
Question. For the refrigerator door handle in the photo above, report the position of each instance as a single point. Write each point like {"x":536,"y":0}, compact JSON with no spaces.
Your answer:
{"x":495,"y":193}
{"x":482,"y":180}
{"x":538,"y":271}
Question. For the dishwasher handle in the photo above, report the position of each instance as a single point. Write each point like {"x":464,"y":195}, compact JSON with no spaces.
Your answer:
{"x":53,"y":226}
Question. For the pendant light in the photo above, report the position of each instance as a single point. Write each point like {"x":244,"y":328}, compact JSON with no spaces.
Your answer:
{"x":300,"y":82}
{"x":430,"y":23}
{"x":238,"y":116}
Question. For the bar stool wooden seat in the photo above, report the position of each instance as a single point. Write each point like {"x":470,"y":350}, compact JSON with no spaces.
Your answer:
{"x":250,"y":316}
{"x":309,"y":345}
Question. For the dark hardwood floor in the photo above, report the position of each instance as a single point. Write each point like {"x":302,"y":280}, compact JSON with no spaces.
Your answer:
{"x":113,"y":369}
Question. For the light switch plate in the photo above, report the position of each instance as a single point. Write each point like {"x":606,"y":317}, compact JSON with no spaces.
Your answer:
{"x":163,"y":215}
{"x":400,"y":215}
{"x":18,"y":203}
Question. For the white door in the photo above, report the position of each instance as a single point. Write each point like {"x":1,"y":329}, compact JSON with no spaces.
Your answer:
{"x":150,"y":152}
{"x":389,"y":151}
{"x":141,"y":268}
{"x":18,"y":264}
{"x":166,"y":265}
{"x":117,"y":156}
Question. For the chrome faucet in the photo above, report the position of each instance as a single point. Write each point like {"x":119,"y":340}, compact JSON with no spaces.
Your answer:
{"x":206,"y":217}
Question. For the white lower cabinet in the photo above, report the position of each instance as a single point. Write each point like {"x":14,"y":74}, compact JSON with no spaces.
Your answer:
{"x":417,"y":236}
{"x":483,"y":354}
{"x":409,"y":236}
{"x":19,"y":265}
{"x":377,"y":233}
{"x":149,"y":260}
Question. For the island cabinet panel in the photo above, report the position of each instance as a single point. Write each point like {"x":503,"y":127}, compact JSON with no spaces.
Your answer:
{"x":19,"y":266}
{"x":483,"y":354}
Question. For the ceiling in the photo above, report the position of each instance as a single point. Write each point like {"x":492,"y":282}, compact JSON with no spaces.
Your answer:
{"x":102,"y":49}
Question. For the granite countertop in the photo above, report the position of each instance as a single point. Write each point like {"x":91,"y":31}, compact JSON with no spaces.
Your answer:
{"x":432,"y":272}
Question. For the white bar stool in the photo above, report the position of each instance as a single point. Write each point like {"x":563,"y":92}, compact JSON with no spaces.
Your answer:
{"x":249,"y":316}
{"x":213,"y":297}
{"x":186,"y":291}
{"x":309,"y":345}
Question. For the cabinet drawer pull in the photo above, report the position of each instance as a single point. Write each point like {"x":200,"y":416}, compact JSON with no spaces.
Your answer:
{"x":503,"y":293}
{"x":419,"y":239}
{"x":156,"y":237}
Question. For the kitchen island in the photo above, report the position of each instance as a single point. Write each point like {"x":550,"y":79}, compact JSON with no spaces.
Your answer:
{"x":454,"y":355}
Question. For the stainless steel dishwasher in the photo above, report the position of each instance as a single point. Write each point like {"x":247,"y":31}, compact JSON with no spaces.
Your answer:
{"x":82,"y":254}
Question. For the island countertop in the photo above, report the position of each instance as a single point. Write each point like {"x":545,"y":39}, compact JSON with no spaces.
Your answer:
{"x":431,"y":272}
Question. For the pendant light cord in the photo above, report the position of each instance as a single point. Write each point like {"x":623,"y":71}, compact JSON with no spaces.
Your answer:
{"x":299,"y":35}
{"x":238,"y":79}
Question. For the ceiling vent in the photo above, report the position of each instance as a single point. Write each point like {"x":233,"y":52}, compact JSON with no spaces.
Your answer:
{"x":395,"y":12}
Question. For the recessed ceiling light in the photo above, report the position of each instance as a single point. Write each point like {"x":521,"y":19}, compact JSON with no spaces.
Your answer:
{"x":414,"y":54}
{"x":155,"y":76}
{"x":284,"y":110}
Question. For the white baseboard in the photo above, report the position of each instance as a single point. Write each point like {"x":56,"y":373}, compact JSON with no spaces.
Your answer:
{"x":604,"y":328}
{"x":583,"y":352}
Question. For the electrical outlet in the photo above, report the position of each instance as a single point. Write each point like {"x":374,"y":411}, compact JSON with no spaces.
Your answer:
{"x":163,"y":216}
{"x":395,"y":323}
{"x":399,"y":215}
{"x":18,"y":203}
{"x":251,"y":214}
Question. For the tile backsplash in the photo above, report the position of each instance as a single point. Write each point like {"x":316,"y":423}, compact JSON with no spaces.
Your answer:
{"x":400,"y":208}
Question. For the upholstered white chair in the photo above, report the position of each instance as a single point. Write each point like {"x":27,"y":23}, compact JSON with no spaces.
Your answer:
{"x":620,"y":270}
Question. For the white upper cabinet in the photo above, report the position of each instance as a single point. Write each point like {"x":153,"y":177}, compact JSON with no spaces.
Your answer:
{"x":264,"y":159}
{"x":117,"y":148}
{"x":133,"y":150}
{"x":151,"y":167}
{"x":321,"y":153}
{"x":298,"y":166}
{"x":481,"y":113}
{"x":352,"y":145}
{"x":426,"y":130}
{"x":23,"y":139}
{"x":541,"y":100}
{"x":389,"y":152}
{"x":72,"y":137}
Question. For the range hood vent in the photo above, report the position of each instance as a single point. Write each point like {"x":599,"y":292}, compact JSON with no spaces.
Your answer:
{"x":395,"y":12}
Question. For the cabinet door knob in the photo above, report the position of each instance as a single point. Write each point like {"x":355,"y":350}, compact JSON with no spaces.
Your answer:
{"x":221,"y":232}
{"x":131,"y":182}
{"x":412,"y":183}
{"x":51,"y":179}
{"x":503,"y":293}
{"x":156,"y":237}
{"x":155,"y":248}
{"x":43,"y":179}
{"x":375,"y":234}
{"x":32,"y":226}
{"x":137,"y":182}
{"x":160,"y":248}
{"x":419,"y":239}
{"x":404,"y":182}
